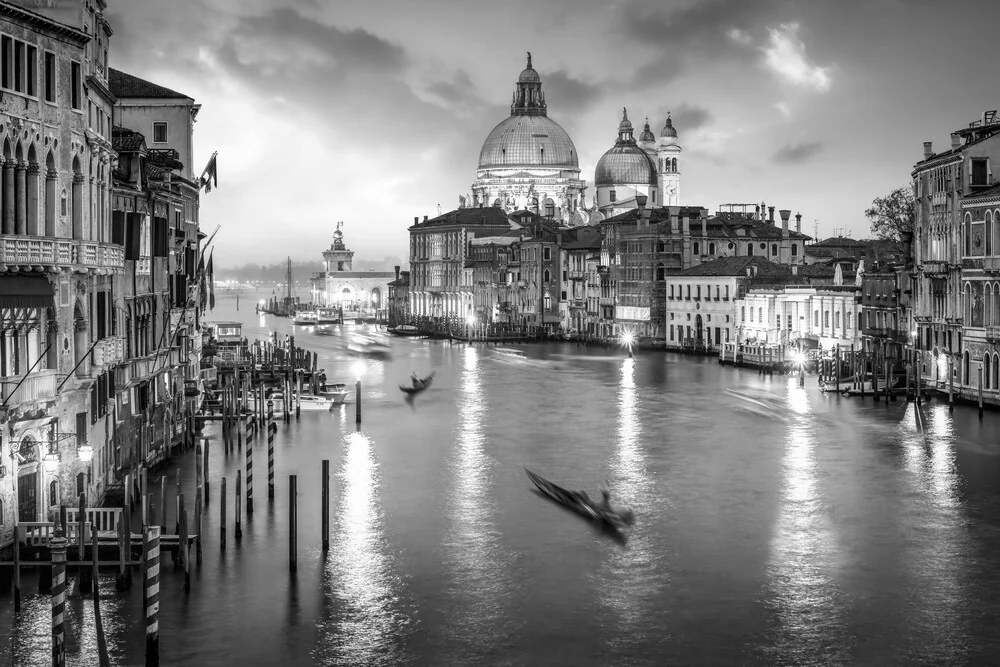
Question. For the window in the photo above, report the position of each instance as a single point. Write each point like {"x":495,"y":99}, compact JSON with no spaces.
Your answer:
{"x":31,"y":72}
{"x":697,"y":248}
{"x":19,"y":65}
{"x":847,"y":320}
{"x":743,"y":313}
{"x":671,"y":291}
{"x":816,"y":318}
{"x":80,"y":481}
{"x":751,"y":313}
{"x":777,"y":322}
{"x":76,"y":83}
{"x":826,"y":319}
{"x":612,"y":195}
{"x":550,"y":208}
{"x":795,"y":250}
{"x":7,"y":55}
{"x":654,"y":196}
{"x":789,"y":323}
{"x":547,"y":277}
{"x":159,"y":133}
{"x":979,"y":171}
{"x":697,"y":294}
{"x":774,"y":249}
{"x":547,"y":253}
{"x":711,"y":248}
{"x":53,"y":493}
{"x":760,"y":314}
{"x":64,"y":205}
{"x":749,"y":249}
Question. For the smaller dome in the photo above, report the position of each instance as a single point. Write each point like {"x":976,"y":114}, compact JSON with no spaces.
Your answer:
{"x":668,"y":129}
{"x":647,"y":134}
{"x":337,"y":235}
{"x":625,"y":165}
{"x":626,"y":124}
{"x":529,"y":75}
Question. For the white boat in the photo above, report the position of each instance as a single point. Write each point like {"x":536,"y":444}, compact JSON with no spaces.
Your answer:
{"x":338,"y":393}
{"x":305,"y":402}
{"x":328,"y":316}
{"x":369,"y":346}
{"x":305,"y":318}
{"x":510,"y":352}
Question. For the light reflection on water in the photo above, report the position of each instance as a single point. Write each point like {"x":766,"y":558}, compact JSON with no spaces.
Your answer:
{"x":369,"y":622}
{"x":805,"y":555}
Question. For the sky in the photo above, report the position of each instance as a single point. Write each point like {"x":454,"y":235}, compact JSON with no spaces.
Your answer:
{"x":373,"y":112}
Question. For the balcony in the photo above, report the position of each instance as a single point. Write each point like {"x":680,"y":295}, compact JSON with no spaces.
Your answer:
{"x":32,"y":253}
{"x":934,"y":268}
{"x":109,"y":351}
{"x":577,"y":275}
{"x":36,"y":386}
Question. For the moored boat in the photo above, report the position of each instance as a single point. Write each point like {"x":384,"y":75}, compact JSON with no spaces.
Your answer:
{"x":305,"y":318}
{"x":418,"y":385}
{"x":305,"y":402}
{"x":580,"y":502}
{"x":404,"y":330}
{"x":337,"y":393}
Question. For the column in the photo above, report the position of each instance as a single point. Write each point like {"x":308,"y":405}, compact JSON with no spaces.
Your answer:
{"x":50,"y":202}
{"x":32,"y":200}
{"x":8,"y":196}
{"x":20,"y":194}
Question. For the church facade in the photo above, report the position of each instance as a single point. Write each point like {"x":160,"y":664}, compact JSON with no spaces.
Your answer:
{"x":340,"y":286}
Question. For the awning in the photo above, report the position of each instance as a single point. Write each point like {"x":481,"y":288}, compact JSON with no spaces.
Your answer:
{"x":26,"y":292}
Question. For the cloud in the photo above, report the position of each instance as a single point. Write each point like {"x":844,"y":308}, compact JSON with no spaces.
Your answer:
{"x":785,"y":55}
{"x":567,"y":92}
{"x":798,"y":153}
{"x":784,"y":109}
{"x":688,"y":117}
{"x":739,"y":36}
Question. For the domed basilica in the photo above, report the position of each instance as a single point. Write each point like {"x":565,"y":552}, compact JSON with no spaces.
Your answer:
{"x":528,"y":161}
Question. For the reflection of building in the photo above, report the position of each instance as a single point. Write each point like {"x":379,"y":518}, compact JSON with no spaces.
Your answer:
{"x":340,"y":286}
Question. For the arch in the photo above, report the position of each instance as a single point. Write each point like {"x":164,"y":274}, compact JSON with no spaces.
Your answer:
{"x":749,"y":250}
{"x":32,"y":224}
{"x":7,"y":151}
{"x":699,"y":331}
{"x":967,"y":303}
{"x":967,"y":235}
{"x":774,"y":249}
{"x":547,"y":276}
{"x":49,"y":202}
{"x":673,"y":164}
{"x":550,"y":208}
{"x":996,"y":371}
{"x":967,"y":367}
{"x":696,"y":248}
{"x":496,"y":203}
{"x":988,"y":235}
{"x":77,"y":208}
{"x":711,"y":248}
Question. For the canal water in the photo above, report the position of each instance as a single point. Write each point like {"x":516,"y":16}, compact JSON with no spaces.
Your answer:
{"x":774,"y":524}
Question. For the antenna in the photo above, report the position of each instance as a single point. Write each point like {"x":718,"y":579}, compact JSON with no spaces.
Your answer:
{"x":815,"y":230}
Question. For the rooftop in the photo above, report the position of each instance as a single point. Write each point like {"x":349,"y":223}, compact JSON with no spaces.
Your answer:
{"x":124,"y":85}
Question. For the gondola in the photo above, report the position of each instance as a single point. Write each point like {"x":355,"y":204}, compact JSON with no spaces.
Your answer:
{"x":579,"y":502}
{"x":421,"y":384}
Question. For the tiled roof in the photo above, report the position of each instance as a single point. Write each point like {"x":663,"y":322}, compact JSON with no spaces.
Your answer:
{"x":127,"y":85}
{"x":487,"y":216}
{"x":734,"y":266}
{"x":125,"y":140}
{"x":841,"y":242}
{"x":992,"y":191}
{"x":721,"y":225}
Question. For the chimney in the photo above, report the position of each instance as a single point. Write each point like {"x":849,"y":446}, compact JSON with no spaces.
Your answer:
{"x":640,"y":200}
{"x":425,"y":218}
{"x":763,"y":211}
{"x":687,"y":225}
{"x":785,"y":214}
{"x":798,"y":223}
{"x":928,"y":151}
{"x":956,"y":140}
{"x":416,"y":219}
{"x":704,"y":226}
{"x":674,"y":229}
{"x":770,"y":215}
{"x":397,"y":271}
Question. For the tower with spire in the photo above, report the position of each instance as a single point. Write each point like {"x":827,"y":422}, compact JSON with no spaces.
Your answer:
{"x":668,"y":150}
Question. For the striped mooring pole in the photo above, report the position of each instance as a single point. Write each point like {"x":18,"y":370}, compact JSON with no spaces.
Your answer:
{"x":151,"y":548}
{"x":272,"y":428}
{"x":249,"y":472}
{"x":58,"y":545}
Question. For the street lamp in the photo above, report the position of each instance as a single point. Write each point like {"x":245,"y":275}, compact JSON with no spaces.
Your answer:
{"x":628,"y":339}
{"x":86,"y":452}
{"x":51,"y":460}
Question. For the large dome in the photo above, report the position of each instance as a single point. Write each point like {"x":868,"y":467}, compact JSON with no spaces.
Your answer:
{"x":625,"y":164}
{"x":528,"y":141}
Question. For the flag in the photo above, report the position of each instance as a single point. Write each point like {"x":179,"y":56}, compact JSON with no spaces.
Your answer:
{"x":202,"y":284}
{"x":210,"y":176}
{"x":211,"y":282}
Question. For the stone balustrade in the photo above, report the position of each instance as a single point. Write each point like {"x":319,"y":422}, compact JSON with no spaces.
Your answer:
{"x":109,"y":351}
{"x":34,"y":253}
{"x":36,"y":386}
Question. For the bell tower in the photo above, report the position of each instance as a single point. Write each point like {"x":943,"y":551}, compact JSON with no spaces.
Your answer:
{"x":338,"y":257}
{"x":668,"y":150}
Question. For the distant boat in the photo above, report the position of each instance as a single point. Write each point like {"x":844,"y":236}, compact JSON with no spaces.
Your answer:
{"x":579,"y":502}
{"x":369,"y":346}
{"x":328,"y":316}
{"x":305,"y":402}
{"x":510,"y":352}
{"x":405,"y":330}
{"x":323,"y":331}
{"x":305,"y":318}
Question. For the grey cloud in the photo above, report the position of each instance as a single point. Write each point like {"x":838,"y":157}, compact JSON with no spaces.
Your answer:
{"x":568,"y":93}
{"x":689,"y":117}
{"x":798,"y":153}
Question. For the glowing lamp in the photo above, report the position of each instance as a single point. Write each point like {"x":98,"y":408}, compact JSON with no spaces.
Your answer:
{"x":50,"y":461}
{"x":470,"y":320}
{"x":86,"y":453}
{"x":358,"y":369}
{"x":798,"y":358}
{"x":628,"y":339}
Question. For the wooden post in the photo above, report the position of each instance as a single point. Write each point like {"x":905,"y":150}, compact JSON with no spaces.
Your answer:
{"x":222,"y":516}
{"x":58,"y":545}
{"x":951,"y":385}
{"x":292,"y":523}
{"x":143,"y":492}
{"x":197,"y":526}
{"x":239,"y":527}
{"x":357,"y":402}
{"x":178,"y":502}
{"x":163,"y":504}
{"x":249,"y":476}
{"x":204,"y":472}
{"x":271,"y":429}
{"x":85,"y":581}
{"x":124,"y":580}
{"x":326,"y":505}
{"x":151,"y":546}
{"x":94,"y":562}
{"x":128,"y":494}
{"x":298,"y":394}
{"x":981,"y":392}
{"x":17,"y":566}
{"x":183,"y":551}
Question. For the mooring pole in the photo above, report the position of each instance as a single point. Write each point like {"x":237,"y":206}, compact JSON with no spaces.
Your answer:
{"x":293,"y":517}
{"x":357,"y":402}
{"x":152,"y":586}
{"x":58,"y":545}
{"x":326,"y":505}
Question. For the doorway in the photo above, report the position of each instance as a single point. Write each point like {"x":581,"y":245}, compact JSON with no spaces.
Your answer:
{"x":27,"y":497}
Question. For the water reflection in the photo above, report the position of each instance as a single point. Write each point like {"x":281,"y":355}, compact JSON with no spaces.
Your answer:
{"x":630,"y":578}
{"x":477,"y":621}
{"x":805,"y":555}
{"x":368,"y":623}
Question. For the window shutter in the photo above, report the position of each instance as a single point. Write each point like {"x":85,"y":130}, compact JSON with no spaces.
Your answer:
{"x":989,"y":172}
{"x":970,"y":169}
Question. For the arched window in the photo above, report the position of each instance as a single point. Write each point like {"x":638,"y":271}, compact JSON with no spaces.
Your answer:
{"x":986,"y":372}
{"x":816,"y":313}
{"x":795,"y":250}
{"x":550,"y":208}
{"x":547,"y":276}
{"x":654,"y":196}
{"x":847,"y":320}
{"x":967,"y":234}
{"x":697,"y":247}
{"x":760,"y":314}
{"x":836,"y":319}
{"x":53,"y":493}
{"x":826,"y":319}
{"x":711,"y":248}
{"x":967,"y":367}
{"x":751,"y":313}
{"x":496,"y":203}
{"x":996,"y":371}
{"x":673,"y":164}
{"x":967,"y":304}
{"x":774,"y":249}
{"x":743,"y":313}
{"x":989,"y":232}
{"x":661,"y":273}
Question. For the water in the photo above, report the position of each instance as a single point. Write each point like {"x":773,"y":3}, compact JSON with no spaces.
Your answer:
{"x":775,"y":525}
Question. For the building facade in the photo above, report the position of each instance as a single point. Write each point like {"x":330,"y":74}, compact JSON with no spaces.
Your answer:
{"x":340,"y":286}
{"x":398,"y":301}
{"x":980,"y":249}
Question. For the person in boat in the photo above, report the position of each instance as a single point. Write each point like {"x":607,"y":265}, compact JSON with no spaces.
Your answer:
{"x":605,"y":503}
{"x":417,"y":382}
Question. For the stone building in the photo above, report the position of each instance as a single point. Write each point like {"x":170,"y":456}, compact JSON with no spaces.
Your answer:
{"x":580,"y":299}
{"x":398,"y":301}
{"x":341,"y":287}
{"x":950,"y":274}
{"x":61,"y":330}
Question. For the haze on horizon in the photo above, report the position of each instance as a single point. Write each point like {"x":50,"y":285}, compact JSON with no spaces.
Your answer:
{"x":374,"y":112}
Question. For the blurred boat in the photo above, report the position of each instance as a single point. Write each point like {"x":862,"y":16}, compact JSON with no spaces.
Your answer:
{"x":323,"y":331}
{"x":305,"y":402}
{"x":510,"y":352}
{"x":305,"y":318}
{"x":579,"y":502}
{"x":418,"y":385}
{"x":369,"y":346}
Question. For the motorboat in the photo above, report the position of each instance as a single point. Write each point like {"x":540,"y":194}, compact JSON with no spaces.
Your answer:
{"x":418,"y":385}
{"x":323,"y":331}
{"x":338,"y":393}
{"x":305,"y":402}
{"x":305,"y":318}
{"x":580,"y":502}
{"x":369,"y":346}
{"x":328,"y":316}
{"x":405,"y":330}
{"x":511,"y":352}
{"x":866,"y":387}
